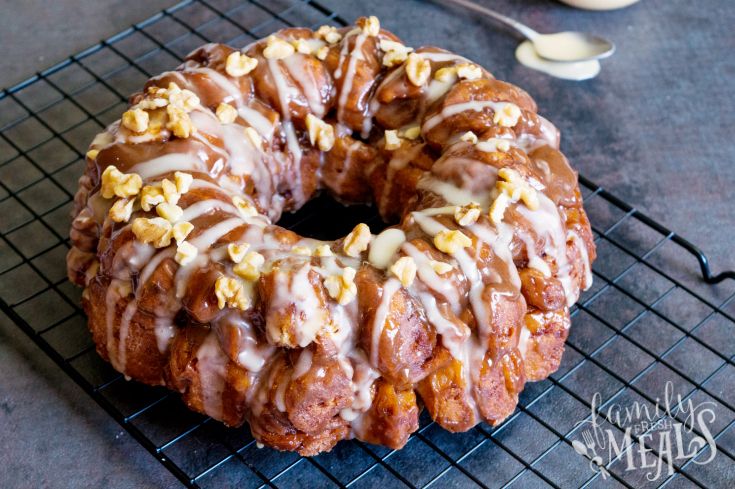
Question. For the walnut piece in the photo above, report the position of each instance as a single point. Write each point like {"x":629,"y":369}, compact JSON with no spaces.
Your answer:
{"x":157,"y":231}
{"x":170,"y":212}
{"x":122,"y":209}
{"x":467,"y":214}
{"x":320,"y":132}
{"x":440,"y":267}
{"x":508,"y":116}
{"x":469,"y":137}
{"x":184,"y":99}
{"x":226,"y":113}
{"x":445,"y":74}
{"x":417,"y":69}
{"x":342,"y":289}
{"x":170,"y":192}
{"x":301,"y":46}
{"x":151,"y":196}
{"x":516,"y":188}
{"x":322,"y":52}
{"x":239,"y":64}
{"x":185,"y":253}
{"x":229,"y":292}
{"x":323,"y":250}
{"x":369,"y":25}
{"x":179,"y":122}
{"x":469,"y":71}
{"x":136,"y":120}
{"x":412,"y":132}
{"x":405,"y":269}
{"x":237,"y":251}
{"x":183,"y":182}
{"x":497,"y":209}
{"x":329,"y":34}
{"x":301,"y":250}
{"x":181,"y":230}
{"x":357,"y":241}
{"x":92,"y":154}
{"x":392,"y":141}
{"x":249,"y":266}
{"x":395,"y":52}
{"x":246,"y":208}
{"x":114,"y":182}
{"x":451,"y":241}
{"x":254,"y":137}
{"x":278,"y":48}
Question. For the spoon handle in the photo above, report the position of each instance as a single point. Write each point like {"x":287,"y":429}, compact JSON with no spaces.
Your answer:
{"x":523,"y":29}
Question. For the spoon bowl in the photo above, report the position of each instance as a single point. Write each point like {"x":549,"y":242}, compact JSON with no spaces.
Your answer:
{"x":572,"y":46}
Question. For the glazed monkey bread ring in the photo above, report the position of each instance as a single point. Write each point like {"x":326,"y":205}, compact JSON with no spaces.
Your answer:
{"x":190,"y":285}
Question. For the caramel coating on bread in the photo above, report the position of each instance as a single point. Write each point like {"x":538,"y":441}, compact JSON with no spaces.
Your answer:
{"x":190,"y":284}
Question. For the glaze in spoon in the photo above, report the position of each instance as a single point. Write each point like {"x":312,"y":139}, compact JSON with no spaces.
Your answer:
{"x":565,"y":47}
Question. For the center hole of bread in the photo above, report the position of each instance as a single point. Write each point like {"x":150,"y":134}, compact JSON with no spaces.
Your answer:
{"x":326,"y":219}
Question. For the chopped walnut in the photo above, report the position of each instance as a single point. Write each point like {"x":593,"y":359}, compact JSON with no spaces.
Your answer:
{"x":301,"y":46}
{"x":445,"y":74}
{"x":342,"y":289}
{"x":322,"y":52}
{"x":246,"y":208}
{"x":237,"y":251}
{"x":497,"y":209}
{"x":226,"y":113}
{"x":152,"y":104}
{"x":277,"y":48}
{"x":405,"y":269}
{"x":179,"y":122}
{"x":129,"y":185}
{"x":183,"y":182}
{"x":494,"y":144}
{"x":323,"y":250}
{"x":184,"y":99}
{"x":440,"y":267}
{"x":92,"y":154}
{"x":516,"y":188}
{"x":329,"y":34}
{"x":395,"y":52}
{"x":254,"y":137}
{"x":508,"y":116}
{"x":122,"y":209}
{"x":417,"y":69}
{"x":392,"y":141}
{"x":301,"y":250}
{"x":229,"y":292}
{"x":320,"y":132}
{"x":469,"y":71}
{"x":467,"y":214}
{"x":412,"y":132}
{"x":239,"y":64}
{"x":136,"y":120}
{"x":157,"y":231}
{"x":369,"y":25}
{"x":358,"y":240}
{"x":151,"y":196}
{"x":185,"y":253}
{"x":469,"y":137}
{"x":249,"y":266}
{"x":451,"y":241}
{"x":170,"y":212}
{"x":181,"y":230}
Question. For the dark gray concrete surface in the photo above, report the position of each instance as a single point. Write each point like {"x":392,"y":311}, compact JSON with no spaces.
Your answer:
{"x":655,"y":128}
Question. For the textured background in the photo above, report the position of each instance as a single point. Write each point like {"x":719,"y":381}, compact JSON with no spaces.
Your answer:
{"x":655,"y":128}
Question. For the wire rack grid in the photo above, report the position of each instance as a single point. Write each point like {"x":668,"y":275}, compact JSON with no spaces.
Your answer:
{"x":647,"y":320}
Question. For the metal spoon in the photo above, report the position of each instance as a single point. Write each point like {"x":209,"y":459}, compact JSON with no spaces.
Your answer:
{"x":563,"y":46}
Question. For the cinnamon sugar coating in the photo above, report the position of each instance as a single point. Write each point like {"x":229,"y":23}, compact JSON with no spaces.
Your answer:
{"x":313,"y":342}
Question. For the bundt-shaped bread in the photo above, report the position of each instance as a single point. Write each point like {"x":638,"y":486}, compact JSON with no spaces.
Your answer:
{"x":191,"y":285}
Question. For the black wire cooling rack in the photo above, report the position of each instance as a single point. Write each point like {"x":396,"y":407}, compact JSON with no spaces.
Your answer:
{"x":648,"y":320}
